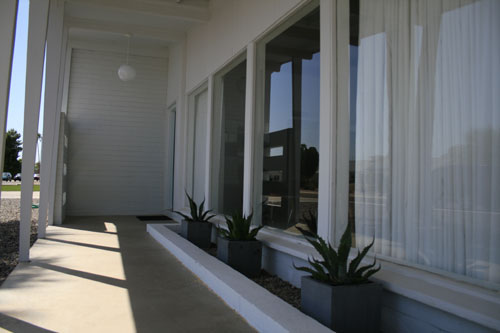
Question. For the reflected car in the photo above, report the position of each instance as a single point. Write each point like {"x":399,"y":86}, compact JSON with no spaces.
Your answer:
{"x":17,"y":176}
{"x":6,"y":176}
{"x":36,"y":176}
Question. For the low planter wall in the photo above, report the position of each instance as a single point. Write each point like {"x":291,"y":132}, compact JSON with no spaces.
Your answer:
{"x":263,"y":310}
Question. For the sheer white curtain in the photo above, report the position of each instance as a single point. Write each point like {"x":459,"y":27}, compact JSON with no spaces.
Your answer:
{"x":427,"y":139}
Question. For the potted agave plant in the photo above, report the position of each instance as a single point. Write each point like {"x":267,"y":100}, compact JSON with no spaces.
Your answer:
{"x":238,"y":247}
{"x":339,"y":294}
{"x":196,"y":228}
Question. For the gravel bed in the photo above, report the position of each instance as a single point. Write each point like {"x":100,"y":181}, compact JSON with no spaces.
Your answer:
{"x":272,"y":283}
{"x":9,"y":234}
{"x":280,"y":288}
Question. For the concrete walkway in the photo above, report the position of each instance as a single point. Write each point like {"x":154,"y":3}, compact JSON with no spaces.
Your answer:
{"x":108,"y":275}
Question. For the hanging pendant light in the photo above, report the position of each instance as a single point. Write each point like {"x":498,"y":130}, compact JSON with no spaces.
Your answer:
{"x":126,"y":72}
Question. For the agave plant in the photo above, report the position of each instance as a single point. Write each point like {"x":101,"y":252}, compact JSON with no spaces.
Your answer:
{"x":333,"y":268}
{"x":239,"y":228}
{"x":197,"y":214}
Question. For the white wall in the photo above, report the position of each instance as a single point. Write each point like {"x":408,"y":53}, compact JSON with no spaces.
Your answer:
{"x":116,"y":150}
{"x":174,"y":72}
{"x":233,"y":24}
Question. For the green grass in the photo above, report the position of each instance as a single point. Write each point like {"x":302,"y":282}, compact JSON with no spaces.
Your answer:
{"x":36,"y":188}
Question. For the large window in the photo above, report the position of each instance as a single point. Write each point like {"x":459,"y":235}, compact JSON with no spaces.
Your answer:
{"x":229,"y":138}
{"x":424,"y":166}
{"x":289,"y":149}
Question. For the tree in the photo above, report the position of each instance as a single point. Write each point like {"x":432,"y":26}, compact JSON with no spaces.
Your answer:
{"x":309,"y":163}
{"x":12,"y":149}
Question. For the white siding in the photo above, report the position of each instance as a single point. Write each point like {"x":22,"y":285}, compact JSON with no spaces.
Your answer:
{"x":115,"y":154}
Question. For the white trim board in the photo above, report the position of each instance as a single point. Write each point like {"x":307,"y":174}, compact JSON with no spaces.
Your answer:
{"x":263,"y":310}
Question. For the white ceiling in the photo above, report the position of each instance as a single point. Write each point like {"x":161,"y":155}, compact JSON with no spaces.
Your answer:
{"x":161,"y":22}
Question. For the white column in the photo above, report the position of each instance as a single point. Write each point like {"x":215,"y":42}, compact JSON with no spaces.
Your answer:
{"x":327,"y":117}
{"x":34,"y":69}
{"x":8,"y":14}
{"x":54,"y":45}
{"x":249,"y":130}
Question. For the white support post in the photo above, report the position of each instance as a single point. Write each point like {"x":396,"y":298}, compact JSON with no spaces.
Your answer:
{"x":34,"y":69}
{"x":249,"y":130}
{"x":8,"y":15}
{"x":54,"y":46}
{"x":327,"y":117}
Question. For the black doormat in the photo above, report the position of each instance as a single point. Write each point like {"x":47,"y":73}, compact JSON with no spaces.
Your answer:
{"x":153,"y":218}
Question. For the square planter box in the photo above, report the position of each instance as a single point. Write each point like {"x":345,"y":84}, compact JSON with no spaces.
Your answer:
{"x":198,"y":233}
{"x":346,"y":308}
{"x":243,"y":256}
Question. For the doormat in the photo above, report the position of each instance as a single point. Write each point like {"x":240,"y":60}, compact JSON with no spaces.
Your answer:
{"x":153,"y":218}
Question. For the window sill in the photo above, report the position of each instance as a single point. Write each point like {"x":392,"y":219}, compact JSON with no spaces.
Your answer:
{"x":470,"y":302}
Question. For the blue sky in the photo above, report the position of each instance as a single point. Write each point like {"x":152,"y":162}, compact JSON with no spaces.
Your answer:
{"x":15,"y":116}
{"x":281,"y":100}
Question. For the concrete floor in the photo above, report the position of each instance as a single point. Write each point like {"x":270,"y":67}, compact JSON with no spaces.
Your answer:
{"x":108,"y":275}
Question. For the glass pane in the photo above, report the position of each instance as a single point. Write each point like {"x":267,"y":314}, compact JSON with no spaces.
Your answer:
{"x":425,"y":130}
{"x":291,"y":127}
{"x":229,"y":129}
{"x":200,"y":146}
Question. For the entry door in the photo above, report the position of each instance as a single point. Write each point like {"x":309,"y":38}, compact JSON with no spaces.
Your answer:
{"x":200,"y":145}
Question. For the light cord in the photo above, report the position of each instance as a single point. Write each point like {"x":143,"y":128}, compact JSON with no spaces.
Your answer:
{"x":128,"y":47}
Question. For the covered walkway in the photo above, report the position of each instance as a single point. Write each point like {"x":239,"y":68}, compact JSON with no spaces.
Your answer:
{"x":106,"y":274}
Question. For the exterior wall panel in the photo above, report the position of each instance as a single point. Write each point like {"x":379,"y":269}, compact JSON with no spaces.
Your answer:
{"x":115,"y":153}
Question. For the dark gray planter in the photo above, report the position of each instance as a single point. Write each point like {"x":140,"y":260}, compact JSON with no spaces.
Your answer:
{"x":243,"y":256}
{"x":347,"y":308}
{"x":198,"y":233}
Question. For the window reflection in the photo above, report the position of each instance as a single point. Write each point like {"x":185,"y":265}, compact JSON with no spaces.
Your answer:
{"x":291,"y":127}
{"x":425,"y":132}
{"x":229,"y":122}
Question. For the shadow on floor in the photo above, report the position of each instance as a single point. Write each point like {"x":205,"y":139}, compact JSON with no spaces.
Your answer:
{"x":163,"y":294}
{"x":15,"y":325}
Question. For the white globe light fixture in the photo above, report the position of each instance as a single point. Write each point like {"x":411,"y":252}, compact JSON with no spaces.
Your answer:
{"x":126,"y":72}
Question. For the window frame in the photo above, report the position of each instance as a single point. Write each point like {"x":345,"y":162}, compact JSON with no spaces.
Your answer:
{"x":258,"y":121}
{"x":190,"y":137}
{"x":342,"y":137}
{"x":217,"y":105}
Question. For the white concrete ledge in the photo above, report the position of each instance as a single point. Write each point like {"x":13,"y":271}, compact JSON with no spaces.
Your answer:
{"x":263,"y":310}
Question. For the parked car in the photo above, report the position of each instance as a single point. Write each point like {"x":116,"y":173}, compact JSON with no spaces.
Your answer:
{"x":17,"y":176}
{"x":36,"y":176}
{"x":6,"y":176}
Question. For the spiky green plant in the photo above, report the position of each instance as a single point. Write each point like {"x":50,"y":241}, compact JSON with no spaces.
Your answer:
{"x":239,"y":228}
{"x":333,"y":268}
{"x":197,"y":214}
